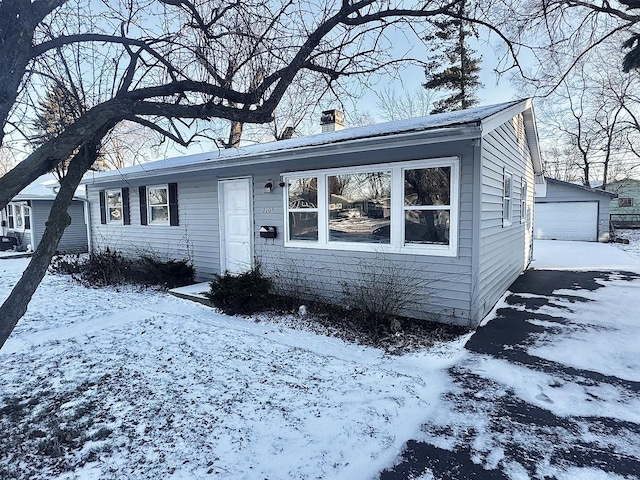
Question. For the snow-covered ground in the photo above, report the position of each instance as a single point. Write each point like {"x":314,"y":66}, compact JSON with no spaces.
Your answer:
{"x":145,"y":385}
{"x":556,"y":254}
{"x":127,"y":383}
{"x":563,"y":404}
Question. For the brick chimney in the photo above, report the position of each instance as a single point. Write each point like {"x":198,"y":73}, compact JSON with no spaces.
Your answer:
{"x":332,"y":120}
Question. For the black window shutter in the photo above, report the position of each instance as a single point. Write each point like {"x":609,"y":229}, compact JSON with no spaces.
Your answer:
{"x":103,"y":208}
{"x":173,"y":204}
{"x":126,"y":219}
{"x":142,"y":192}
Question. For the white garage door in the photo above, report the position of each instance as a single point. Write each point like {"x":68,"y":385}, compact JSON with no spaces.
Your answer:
{"x":567,"y":221}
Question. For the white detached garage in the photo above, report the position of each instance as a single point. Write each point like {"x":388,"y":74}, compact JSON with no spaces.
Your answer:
{"x":572,"y":212}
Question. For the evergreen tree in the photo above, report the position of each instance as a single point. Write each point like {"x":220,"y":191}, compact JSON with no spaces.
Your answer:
{"x":58,"y":109}
{"x":460,"y":70}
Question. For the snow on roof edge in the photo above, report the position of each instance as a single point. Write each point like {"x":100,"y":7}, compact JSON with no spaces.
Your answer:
{"x":42,"y":189}
{"x":436,"y":122}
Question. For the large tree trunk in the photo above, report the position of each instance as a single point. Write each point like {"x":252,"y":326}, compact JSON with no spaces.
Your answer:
{"x":235,"y":135}
{"x":16,"y":305}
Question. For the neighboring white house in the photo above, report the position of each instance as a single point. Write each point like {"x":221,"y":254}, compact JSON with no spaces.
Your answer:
{"x":572,"y":212}
{"x":447,"y":198}
{"x":23,"y":219}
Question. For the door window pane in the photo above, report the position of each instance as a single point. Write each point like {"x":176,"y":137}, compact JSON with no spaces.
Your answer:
{"x":27,"y":217}
{"x":10,"y":216}
{"x":19,"y":223}
{"x":360,"y":207}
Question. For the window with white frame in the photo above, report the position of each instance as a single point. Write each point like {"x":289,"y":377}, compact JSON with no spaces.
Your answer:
{"x":114,"y":206}
{"x":507,"y":197}
{"x":26,"y":215}
{"x":405,"y":207}
{"x":10,"y":217}
{"x":302,"y":205}
{"x":427,"y":205}
{"x":158,"y":204}
{"x":523,"y":201}
{"x":19,"y":217}
{"x":359,"y":207}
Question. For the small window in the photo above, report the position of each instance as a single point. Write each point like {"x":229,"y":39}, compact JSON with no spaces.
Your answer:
{"x":114,"y":206}
{"x":507,"y":198}
{"x":523,"y":201}
{"x":19,"y":218}
{"x":26,"y":212}
{"x":302,"y":202}
{"x":158,"y":204}
{"x":625,"y":202}
{"x":10,"y":217}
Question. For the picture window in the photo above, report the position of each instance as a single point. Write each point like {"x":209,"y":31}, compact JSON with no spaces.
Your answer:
{"x":405,"y":207}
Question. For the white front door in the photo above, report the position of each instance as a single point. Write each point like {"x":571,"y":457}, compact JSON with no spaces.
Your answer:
{"x":236,"y":253}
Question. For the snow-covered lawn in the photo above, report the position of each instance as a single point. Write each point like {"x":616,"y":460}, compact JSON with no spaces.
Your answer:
{"x":123,"y":383}
{"x":127,"y":383}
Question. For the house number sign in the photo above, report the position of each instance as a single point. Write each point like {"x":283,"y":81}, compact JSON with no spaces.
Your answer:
{"x":268,"y":210}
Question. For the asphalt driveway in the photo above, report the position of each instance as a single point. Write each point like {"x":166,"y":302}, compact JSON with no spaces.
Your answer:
{"x":527,"y":439}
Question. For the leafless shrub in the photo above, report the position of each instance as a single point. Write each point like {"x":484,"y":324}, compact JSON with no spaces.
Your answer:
{"x":381,"y":290}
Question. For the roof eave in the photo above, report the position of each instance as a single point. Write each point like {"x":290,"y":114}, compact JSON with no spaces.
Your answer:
{"x":524,"y":107}
{"x":428,"y":136}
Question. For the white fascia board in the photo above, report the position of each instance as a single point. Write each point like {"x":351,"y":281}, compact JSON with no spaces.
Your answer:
{"x":531,"y":131}
{"x":489,"y":124}
{"x":424,"y":137}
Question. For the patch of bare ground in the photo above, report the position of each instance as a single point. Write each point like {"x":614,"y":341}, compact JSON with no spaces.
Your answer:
{"x":398,"y":336}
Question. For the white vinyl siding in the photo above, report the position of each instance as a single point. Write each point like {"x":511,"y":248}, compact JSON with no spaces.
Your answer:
{"x":504,"y":252}
{"x":74,"y":238}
